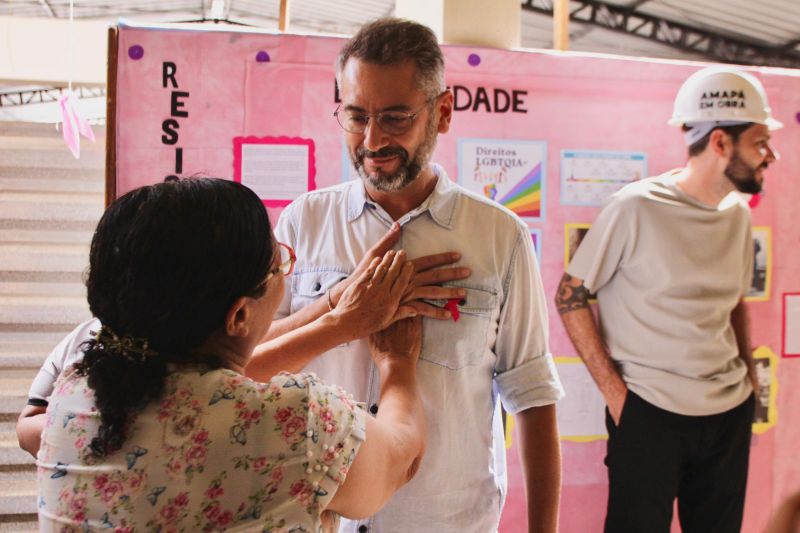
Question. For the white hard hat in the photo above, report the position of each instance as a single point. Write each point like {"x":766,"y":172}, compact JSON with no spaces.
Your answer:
{"x":722,"y":94}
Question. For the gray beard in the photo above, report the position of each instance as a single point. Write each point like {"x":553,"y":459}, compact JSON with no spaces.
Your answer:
{"x":408,"y":171}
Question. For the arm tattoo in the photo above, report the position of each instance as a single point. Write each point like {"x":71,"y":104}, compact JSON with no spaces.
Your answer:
{"x":571,"y":295}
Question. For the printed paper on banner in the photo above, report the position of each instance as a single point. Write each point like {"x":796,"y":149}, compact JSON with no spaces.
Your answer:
{"x":791,"y":324}
{"x":510,"y":172}
{"x":581,"y":414}
{"x":590,"y":177}
{"x":277,"y":169}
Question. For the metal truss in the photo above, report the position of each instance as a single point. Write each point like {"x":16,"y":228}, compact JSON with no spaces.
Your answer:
{"x":11,"y":98}
{"x":713,"y":45}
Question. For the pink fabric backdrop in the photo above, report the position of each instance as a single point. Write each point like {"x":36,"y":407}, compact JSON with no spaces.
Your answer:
{"x":573,"y":101}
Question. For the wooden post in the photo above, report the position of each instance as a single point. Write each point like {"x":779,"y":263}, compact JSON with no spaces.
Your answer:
{"x":283,"y":17}
{"x":111,"y":116}
{"x":561,"y":25}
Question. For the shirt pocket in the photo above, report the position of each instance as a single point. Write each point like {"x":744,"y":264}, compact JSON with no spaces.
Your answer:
{"x":455,"y":345}
{"x":312,"y":283}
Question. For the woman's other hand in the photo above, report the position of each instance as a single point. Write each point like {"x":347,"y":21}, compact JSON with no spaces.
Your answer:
{"x":399,"y":342}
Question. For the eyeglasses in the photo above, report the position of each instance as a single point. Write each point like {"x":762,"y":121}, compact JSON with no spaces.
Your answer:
{"x":390,"y":122}
{"x":287,"y":259}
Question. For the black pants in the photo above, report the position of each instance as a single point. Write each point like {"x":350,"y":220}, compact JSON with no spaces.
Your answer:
{"x":655,"y":456}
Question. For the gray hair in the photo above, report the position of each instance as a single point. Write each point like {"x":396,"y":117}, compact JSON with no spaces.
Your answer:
{"x":389,"y":41}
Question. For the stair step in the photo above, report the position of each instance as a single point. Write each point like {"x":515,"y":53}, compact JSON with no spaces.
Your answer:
{"x":17,"y":492}
{"x":39,"y":130}
{"x":52,"y":197}
{"x":22,"y":360}
{"x":35,"y":333}
{"x":68,"y":175}
{"x":27,"y":276}
{"x":92,"y":183}
{"x":8,"y":428}
{"x":33,"y":224}
{"x":45,"y":142}
{"x":55,"y":158}
{"x":14,"y":457}
{"x":38,"y":262}
{"x":32,"y":210}
{"x":45,"y":236}
{"x":19,"y":523}
{"x":41,"y":310}
{"x":14,"y":386}
{"x":16,"y":381}
{"x":22,"y":288}
{"x":41,"y":248}
{"x":28,"y":349}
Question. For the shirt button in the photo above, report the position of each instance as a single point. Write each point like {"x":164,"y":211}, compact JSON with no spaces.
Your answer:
{"x":317,"y":286}
{"x":373,"y":409}
{"x":362,"y":529}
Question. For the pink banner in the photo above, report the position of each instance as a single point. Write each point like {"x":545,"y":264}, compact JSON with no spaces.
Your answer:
{"x":185,"y":96}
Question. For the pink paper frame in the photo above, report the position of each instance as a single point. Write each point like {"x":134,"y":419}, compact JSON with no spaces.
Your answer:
{"x":237,"y":160}
{"x":783,"y":326}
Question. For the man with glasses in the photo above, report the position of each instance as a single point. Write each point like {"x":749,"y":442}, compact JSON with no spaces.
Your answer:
{"x":670,"y":259}
{"x":491,"y":336}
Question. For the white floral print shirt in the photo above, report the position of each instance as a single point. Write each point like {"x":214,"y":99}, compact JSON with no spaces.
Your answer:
{"x":218,"y":451}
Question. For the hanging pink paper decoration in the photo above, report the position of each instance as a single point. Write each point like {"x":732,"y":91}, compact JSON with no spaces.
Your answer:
{"x":73,"y":126}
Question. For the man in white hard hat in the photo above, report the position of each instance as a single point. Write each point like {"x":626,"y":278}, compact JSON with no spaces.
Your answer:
{"x":670,"y":259}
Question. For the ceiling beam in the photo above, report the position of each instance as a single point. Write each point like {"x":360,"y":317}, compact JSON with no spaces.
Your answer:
{"x":43,"y":95}
{"x":713,"y":45}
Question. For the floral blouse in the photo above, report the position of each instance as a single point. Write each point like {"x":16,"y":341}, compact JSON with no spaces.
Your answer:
{"x":219,"y":451}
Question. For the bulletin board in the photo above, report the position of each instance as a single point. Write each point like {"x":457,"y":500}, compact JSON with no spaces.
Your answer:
{"x":549,"y":135}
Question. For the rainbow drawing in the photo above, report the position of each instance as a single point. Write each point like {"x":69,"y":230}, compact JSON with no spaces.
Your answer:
{"x":525,"y":198}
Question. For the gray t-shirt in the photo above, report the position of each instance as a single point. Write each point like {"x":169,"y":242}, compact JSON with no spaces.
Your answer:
{"x":668,"y":270}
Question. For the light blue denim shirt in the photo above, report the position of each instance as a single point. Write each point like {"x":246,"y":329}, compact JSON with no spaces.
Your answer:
{"x":497,"y":347}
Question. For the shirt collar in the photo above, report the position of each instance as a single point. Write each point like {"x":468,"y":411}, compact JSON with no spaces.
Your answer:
{"x":441,"y":204}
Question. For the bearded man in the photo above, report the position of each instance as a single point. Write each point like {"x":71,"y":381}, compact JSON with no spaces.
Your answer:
{"x":670,"y":259}
{"x":484,"y":336}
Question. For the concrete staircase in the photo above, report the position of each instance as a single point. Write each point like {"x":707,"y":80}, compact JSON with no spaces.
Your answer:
{"x":49,"y":206}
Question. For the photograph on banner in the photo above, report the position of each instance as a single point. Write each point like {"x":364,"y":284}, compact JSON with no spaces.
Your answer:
{"x":590,"y":177}
{"x":765,"y":415}
{"x":536,"y":237}
{"x":791,"y":324}
{"x":510,"y":172}
{"x":581,"y":413}
{"x":762,"y":264}
{"x":277,"y":169}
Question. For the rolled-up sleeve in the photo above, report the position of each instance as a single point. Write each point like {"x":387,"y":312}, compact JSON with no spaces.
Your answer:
{"x":525,"y":373}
